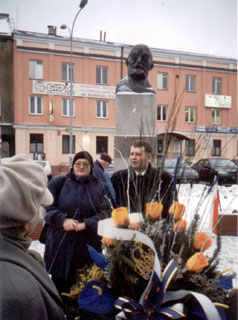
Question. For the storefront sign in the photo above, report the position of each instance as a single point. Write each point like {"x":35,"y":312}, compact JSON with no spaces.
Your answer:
{"x":217,"y":101}
{"x":216,"y":129}
{"x":79,"y":89}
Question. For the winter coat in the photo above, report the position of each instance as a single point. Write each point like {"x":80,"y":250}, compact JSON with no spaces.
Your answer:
{"x":142,"y":189}
{"x":82,"y":199}
{"x":26,"y":291}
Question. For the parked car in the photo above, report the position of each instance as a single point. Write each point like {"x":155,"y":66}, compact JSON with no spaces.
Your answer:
{"x":46,"y":166}
{"x":224,"y":169}
{"x":185,"y":173}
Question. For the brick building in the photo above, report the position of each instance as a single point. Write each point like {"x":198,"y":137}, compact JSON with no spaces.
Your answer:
{"x":196,"y":98}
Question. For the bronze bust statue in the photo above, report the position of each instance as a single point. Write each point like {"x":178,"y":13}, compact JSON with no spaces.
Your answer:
{"x":139,"y":63}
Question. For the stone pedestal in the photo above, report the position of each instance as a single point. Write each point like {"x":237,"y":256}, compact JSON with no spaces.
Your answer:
{"x":135,"y":119}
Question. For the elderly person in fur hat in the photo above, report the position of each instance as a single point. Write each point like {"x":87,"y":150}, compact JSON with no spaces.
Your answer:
{"x":80,"y":201}
{"x":26,"y":291}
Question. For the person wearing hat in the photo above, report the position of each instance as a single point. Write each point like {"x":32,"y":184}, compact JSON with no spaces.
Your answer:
{"x":26,"y":290}
{"x":80,"y":201}
{"x":99,"y":170}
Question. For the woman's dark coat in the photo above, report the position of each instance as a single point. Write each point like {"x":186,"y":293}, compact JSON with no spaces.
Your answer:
{"x":82,"y":199}
{"x":151,"y":186}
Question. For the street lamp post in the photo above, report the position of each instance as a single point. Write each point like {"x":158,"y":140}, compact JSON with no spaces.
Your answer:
{"x":64,"y":26}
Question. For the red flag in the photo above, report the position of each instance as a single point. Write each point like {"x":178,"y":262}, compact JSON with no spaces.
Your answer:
{"x":215,"y":212}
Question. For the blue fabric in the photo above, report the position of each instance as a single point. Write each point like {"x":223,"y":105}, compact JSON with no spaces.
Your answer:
{"x":97,"y":257}
{"x":225,"y":283}
{"x":83,"y":200}
{"x":94,"y":299}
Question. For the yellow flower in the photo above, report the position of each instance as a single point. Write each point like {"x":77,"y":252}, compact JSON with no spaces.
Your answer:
{"x":180,"y":225}
{"x":197,"y":262}
{"x":177,"y":209}
{"x":153,"y":210}
{"x":108,"y":242}
{"x":201,"y":241}
{"x":120,"y":217}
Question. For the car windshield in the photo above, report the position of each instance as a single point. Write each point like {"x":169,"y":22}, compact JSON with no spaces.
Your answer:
{"x":172,"y":163}
{"x":222,"y":163}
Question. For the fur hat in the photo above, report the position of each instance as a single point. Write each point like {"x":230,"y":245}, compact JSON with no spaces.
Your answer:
{"x":106,"y":157}
{"x":23,"y":189}
{"x":83,"y":155}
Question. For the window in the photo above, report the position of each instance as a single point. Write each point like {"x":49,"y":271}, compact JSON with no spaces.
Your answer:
{"x":190,"y":147}
{"x":66,"y":71}
{"x":216,"y":85}
{"x":177,"y":146}
{"x":66,"y":107}
{"x":36,"y":143}
{"x":160,"y":146}
{"x":216,"y":116}
{"x":102,"y":107}
{"x":35,"y":69}
{"x":101,"y":75}
{"x":36,"y":106}
{"x":65,"y":144}
{"x":162,"y":80}
{"x":162,"y":112}
{"x":216,"y":149}
{"x":101,"y":145}
{"x":189,"y":114}
{"x":190,"y":83}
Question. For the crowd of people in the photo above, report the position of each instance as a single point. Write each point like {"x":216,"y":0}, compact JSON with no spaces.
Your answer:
{"x":73,"y":206}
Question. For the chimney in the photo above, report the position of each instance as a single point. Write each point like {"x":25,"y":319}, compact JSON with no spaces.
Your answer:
{"x":52,"y":30}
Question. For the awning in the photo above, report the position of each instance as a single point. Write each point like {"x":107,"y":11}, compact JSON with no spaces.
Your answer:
{"x":173,"y":134}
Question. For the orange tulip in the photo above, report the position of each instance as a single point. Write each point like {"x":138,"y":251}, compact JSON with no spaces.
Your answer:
{"x":201,"y":241}
{"x":180,"y":225}
{"x":135,"y":225}
{"x":177,"y":209}
{"x":153,"y":210}
{"x":120,"y":217}
{"x":108,"y":242}
{"x":197,"y":262}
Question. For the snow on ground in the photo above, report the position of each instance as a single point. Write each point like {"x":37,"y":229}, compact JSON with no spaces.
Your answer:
{"x":196,"y":201}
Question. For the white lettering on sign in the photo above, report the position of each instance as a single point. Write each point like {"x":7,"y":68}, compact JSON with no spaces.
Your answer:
{"x":217,"y":101}
{"x":79,"y":89}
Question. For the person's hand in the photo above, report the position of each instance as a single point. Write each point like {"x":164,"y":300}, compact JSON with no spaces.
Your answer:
{"x":80,"y":226}
{"x":69,"y":224}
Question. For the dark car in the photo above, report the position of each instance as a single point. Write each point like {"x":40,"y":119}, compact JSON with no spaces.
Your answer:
{"x":224,"y":169}
{"x":185,"y":173}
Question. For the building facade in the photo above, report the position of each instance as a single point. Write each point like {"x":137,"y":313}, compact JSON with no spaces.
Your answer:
{"x":196,"y":97}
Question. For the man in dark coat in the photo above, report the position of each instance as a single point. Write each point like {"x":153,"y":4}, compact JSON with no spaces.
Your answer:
{"x":99,"y":171}
{"x":26,"y":290}
{"x":146,"y":183}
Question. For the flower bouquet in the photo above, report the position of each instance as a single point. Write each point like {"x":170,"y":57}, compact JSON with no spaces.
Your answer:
{"x":152,"y":268}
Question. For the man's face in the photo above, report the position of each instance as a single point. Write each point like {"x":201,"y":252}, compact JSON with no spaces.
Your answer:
{"x":139,"y":159}
{"x":139,"y":62}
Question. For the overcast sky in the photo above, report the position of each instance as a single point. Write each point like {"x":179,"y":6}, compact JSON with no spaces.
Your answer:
{"x":199,"y":26}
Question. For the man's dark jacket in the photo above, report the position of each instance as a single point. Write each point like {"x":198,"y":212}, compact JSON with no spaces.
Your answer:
{"x":151,"y":186}
{"x":26,"y":291}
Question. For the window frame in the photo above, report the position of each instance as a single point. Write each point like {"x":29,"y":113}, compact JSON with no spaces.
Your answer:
{"x":189,"y":86}
{"x":160,"y":112}
{"x":216,"y":150}
{"x":100,"y":75}
{"x":65,"y":144}
{"x":36,"y":113}
{"x":190,"y":147}
{"x":39,"y":146}
{"x":68,"y":107}
{"x":33,"y":72}
{"x":162,"y":80}
{"x":100,"y":104}
{"x":67,"y":71}
{"x":99,"y":148}
{"x":216,"y":85}
{"x":215,"y":117}
{"x":190,"y":111}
